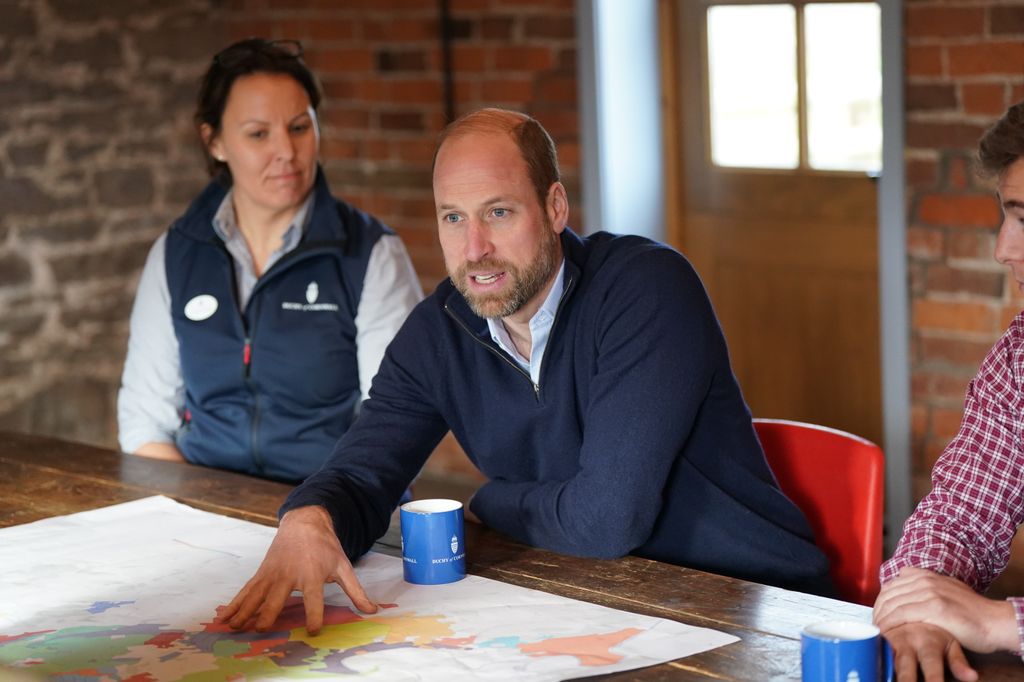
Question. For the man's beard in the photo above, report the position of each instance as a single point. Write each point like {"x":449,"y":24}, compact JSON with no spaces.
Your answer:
{"x":526,"y":282}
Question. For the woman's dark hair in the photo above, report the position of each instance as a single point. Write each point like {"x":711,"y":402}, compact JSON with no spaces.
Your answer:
{"x":252,"y":55}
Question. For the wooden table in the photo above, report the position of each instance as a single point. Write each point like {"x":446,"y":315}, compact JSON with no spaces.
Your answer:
{"x":43,"y":477}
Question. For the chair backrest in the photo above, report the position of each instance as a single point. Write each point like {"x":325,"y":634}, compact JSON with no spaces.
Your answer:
{"x":838,"y":481}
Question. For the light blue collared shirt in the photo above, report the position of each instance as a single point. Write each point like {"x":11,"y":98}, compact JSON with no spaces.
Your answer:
{"x":226,"y":227}
{"x":540,"y":329}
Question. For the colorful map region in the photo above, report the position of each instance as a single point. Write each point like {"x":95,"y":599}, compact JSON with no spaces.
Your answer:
{"x":155,"y":653}
{"x":128,"y":594}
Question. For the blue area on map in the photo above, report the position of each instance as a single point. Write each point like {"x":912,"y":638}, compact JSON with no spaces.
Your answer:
{"x":509,"y":642}
{"x":335,"y":661}
{"x":206,"y":641}
{"x":101,"y":606}
{"x":292,"y":654}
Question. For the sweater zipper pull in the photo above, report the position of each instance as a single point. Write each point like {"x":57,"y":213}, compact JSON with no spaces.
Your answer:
{"x":247,"y":356}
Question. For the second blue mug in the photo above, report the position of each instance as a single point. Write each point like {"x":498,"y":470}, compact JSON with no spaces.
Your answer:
{"x":845,"y":651}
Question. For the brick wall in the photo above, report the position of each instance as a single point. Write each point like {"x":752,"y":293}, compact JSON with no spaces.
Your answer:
{"x":97,"y":153}
{"x":381,"y":64}
{"x":964,"y":67}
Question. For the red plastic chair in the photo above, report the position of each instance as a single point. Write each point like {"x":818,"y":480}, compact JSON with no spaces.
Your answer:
{"x":838,"y":480}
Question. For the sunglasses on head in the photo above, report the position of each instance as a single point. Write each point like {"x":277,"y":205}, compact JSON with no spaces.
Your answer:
{"x":232,"y":55}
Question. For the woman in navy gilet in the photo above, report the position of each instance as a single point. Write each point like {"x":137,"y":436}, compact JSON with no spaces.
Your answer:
{"x":263,"y":312}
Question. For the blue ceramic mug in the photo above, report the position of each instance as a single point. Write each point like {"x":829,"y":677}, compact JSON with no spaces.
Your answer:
{"x":845,"y":651}
{"x":433,"y":546}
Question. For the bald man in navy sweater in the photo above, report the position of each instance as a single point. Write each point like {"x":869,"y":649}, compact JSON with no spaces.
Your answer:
{"x":586,"y":377}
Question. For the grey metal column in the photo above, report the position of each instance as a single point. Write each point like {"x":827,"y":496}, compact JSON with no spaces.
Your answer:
{"x":893,"y":291}
{"x":620,"y":116}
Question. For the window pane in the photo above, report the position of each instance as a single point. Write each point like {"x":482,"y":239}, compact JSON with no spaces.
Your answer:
{"x":752,"y":81}
{"x":844,"y":86}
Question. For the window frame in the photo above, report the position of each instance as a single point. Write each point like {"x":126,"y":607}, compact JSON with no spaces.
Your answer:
{"x":803,"y":156}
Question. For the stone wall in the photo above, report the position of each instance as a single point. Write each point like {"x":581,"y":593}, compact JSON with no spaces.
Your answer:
{"x":96,"y":157}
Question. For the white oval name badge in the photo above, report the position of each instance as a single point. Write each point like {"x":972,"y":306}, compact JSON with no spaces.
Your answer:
{"x":201,"y":307}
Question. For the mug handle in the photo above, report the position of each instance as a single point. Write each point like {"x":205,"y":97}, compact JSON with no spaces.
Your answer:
{"x":888,"y":661}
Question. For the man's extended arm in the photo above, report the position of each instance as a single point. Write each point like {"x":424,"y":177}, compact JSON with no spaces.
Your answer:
{"x":378,"y":457}
{"x":337,"y":513}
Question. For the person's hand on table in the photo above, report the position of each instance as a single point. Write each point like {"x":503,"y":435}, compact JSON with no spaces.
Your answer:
{"x":304,"y":555}
{"x":922,"y":596}
{"x":931,"y":616}
{"x":930,"y":648}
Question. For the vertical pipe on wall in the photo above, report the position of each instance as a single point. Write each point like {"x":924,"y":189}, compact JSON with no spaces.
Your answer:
{"x":445,"y":19}
{"x":892,"y":274}
{"x":620,"y":116}
{"x":590,"y":149}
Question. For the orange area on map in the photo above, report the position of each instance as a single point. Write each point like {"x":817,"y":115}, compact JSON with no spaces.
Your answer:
{"x":420,"y":630}
{"x":589,"y":649}
{"x":455,"y":641}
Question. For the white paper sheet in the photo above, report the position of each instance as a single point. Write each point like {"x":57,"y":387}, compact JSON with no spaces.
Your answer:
{"x":131,"y":590}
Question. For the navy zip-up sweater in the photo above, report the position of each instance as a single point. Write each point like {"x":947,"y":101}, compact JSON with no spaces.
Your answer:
{"x":636,"y":441}
{"x":270,"y":389}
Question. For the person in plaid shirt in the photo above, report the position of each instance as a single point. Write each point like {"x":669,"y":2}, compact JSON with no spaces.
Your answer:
{"x":958,"y":539}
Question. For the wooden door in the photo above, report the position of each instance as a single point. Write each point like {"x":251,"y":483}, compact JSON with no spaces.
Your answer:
{"x":789,"y":258}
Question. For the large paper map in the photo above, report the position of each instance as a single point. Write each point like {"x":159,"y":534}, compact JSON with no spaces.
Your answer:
{"x":128,"y":593}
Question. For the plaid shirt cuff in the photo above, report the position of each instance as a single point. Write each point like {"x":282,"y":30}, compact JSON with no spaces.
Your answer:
{"x":1018,"y":608}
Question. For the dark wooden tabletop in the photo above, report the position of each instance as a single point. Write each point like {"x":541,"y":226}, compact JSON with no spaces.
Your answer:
{"x":42,"y":477}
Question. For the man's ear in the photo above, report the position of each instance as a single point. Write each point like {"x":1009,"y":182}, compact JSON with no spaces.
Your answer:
{"x":557,"y":207}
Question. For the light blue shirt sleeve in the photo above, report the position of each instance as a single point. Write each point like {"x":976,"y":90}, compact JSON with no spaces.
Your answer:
{"x":391,"y":290}
{"x":152,"y":396}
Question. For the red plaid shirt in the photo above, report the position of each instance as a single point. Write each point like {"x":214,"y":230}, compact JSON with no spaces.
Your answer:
{"x":965,"y":525}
